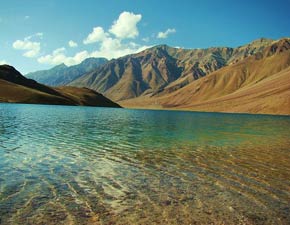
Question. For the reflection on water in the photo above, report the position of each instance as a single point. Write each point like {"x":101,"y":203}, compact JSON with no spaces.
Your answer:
{"x":80,"y":165}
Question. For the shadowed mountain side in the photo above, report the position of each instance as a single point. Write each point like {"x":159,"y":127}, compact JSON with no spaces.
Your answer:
{"x":162,"y":67}
{"x":17,"y":89}
{"x":85,"y":96}
{"x":14,"y":93}
{"x":130,"y":76}
{"x":62,"y":74}
{"x":257,"y":84}
{"x":10,"y":74}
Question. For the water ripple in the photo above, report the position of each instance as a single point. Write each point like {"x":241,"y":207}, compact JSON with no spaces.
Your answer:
{"x":81,"y":165}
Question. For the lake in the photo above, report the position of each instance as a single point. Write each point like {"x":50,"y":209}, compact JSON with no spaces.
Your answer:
{"x":85,"y":165}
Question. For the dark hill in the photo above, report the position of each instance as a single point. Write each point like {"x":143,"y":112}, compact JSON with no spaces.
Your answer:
{"x":17,"y":89}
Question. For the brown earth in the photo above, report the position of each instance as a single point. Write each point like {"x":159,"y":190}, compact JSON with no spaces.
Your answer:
{"x":257,"y":84}
{"x":162,"y":69}
{"x":15,"y":88}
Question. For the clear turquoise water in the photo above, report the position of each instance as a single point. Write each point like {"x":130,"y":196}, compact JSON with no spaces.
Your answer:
{"x":83,"y":165}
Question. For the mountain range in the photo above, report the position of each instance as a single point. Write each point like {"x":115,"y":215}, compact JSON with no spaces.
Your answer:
{"x":253,"y":78}
{"x":162,"y":68}
{"x":259,"y":83}
{"x":62,"y":74}
{"x":15,"y":88}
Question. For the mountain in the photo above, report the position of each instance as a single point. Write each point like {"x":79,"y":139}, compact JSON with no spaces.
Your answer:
{"x":256,"y":84}
{"x":16,"y":88}
{"x":62,"y":74}
{"x":162,"y":67}
{"x":213,"y":79}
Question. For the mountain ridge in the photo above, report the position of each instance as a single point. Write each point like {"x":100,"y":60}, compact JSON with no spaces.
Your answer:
{"x":62,"y":74}
{"x":208,"y":79}
{"x":259,"y":83}
{"x":15,"y":88}
{"x":162,"y":67}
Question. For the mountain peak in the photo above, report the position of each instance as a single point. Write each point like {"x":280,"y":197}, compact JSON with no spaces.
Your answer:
{"x":261,"y":42}
{"x":62,"y":74}
{"x":6,"y":66}
{"x":262,"y":39}
{"x":157,"y":47}
{"x":165,"y":69}
{"x":60,"y":66}
{"x":161,"y":46}
{"x":93,"y":60}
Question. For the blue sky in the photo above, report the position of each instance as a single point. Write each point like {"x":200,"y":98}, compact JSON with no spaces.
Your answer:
{"x":41,"y":34}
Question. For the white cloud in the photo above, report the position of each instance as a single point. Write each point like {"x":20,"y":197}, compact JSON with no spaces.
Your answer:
{"x":108,"y":45}
{"x":111,"y":44}
{"x":110,"y":48}
{"x":165,"y":34}
{"x":72,"y":44}
{"x":58,"y":51}
{"x":2,"y":62}
{"x":114,"y":48}
{"x":126,"y":25}
{"x":97,"y":35}
{"x":147,"y":39}
{"x":36,"y":35}
{"x":26,"y":17}
{"x":31,"y":48}
{"x":58,"y":56}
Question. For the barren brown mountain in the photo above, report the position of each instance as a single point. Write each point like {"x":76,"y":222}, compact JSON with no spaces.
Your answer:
{"x":162,"y":67}
{"x":257,"y":84}
{"x":16,"y":88}
{"x":214,"y":79}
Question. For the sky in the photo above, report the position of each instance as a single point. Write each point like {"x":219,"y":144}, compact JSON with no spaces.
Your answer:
{"x":36,"y":35}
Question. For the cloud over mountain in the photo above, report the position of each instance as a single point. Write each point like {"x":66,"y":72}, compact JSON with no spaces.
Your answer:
{"x":31,"y":48}
{"x":110,"y":44}
{"x":98,"y":34}
{"x":58,"y":56}
{"x":126,"y":25}
{"x":163,"y":35}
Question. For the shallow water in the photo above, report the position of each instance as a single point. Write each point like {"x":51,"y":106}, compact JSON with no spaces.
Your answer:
{"x":83,"y":165}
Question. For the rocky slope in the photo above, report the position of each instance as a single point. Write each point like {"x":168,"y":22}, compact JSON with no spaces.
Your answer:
{"x":16,"y":88}
{"x":162,"y":69}
{"x":62,"y":74}
{"x":256,"y":84}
